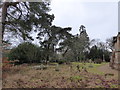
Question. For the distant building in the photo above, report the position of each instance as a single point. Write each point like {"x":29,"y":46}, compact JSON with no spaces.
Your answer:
{"x":115,"y":57}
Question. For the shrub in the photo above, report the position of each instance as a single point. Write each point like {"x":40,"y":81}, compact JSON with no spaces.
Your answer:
{"x":61,"y":61}
{"x":98,"y":61}
{"x":26,"y":53}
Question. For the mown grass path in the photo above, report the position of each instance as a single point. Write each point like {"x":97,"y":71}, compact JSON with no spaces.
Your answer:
{"x":107,"y":70}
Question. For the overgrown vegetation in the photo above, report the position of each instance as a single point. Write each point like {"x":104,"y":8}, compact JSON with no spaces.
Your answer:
{"x":61,"y":60}
{"x":25,"y":76}
{"x":56,"y":43}
{"x":26,"y":53}
{"x":70,"y":49}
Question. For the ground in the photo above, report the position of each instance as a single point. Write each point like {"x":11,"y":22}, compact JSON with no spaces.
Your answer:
{"x":106,"y":69}
{"x":62,"y":76}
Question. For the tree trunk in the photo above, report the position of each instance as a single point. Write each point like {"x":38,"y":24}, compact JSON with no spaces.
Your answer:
{"x":4,"y":14}
{"x":47,"y":59}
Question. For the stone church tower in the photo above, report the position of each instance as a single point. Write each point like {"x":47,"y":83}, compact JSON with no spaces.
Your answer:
{"x":115,"y":58}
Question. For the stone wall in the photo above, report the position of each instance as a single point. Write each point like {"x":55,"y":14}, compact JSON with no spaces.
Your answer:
{"x":115,"y":58}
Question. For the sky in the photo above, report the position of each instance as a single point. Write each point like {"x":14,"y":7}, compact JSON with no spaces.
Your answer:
{"x":99,"y":18}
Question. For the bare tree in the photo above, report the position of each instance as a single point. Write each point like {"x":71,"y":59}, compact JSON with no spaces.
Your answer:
{"x":109,"y":43}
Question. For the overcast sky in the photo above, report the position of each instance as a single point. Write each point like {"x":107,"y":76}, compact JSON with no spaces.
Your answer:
{"x":99,"y":18}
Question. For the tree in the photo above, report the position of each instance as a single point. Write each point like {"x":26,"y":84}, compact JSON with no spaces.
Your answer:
{"x":85,"y":42}
{"x":76,"y":46}
{"x":52,"y":37}
{"x":97,"y":52}
{"x":21,"y":18}
{"x":109,"y":43}
{"x":94,"y":53}
{"x":82,"y":27}
{"x":26,"y":53}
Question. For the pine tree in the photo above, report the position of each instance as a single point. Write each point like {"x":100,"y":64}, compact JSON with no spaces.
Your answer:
{"x":20,"y":18}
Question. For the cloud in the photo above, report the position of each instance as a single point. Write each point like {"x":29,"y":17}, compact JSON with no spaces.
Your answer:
{"x":100,"y":19}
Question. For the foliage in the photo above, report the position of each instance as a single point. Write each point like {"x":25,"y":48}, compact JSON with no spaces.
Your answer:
{"x":97,"y":53}
{"x":93,"y":69}
{"x":20,"y":18}
{"x":52,"y":37}
{"x":26,"y":53}
{"x":56,"y":43}
{"x":75,"y":47}
{"x":50,"y":78}
{"x":61,"y":61}
{"x":109,"y":43}
{"x":76,"y":78}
